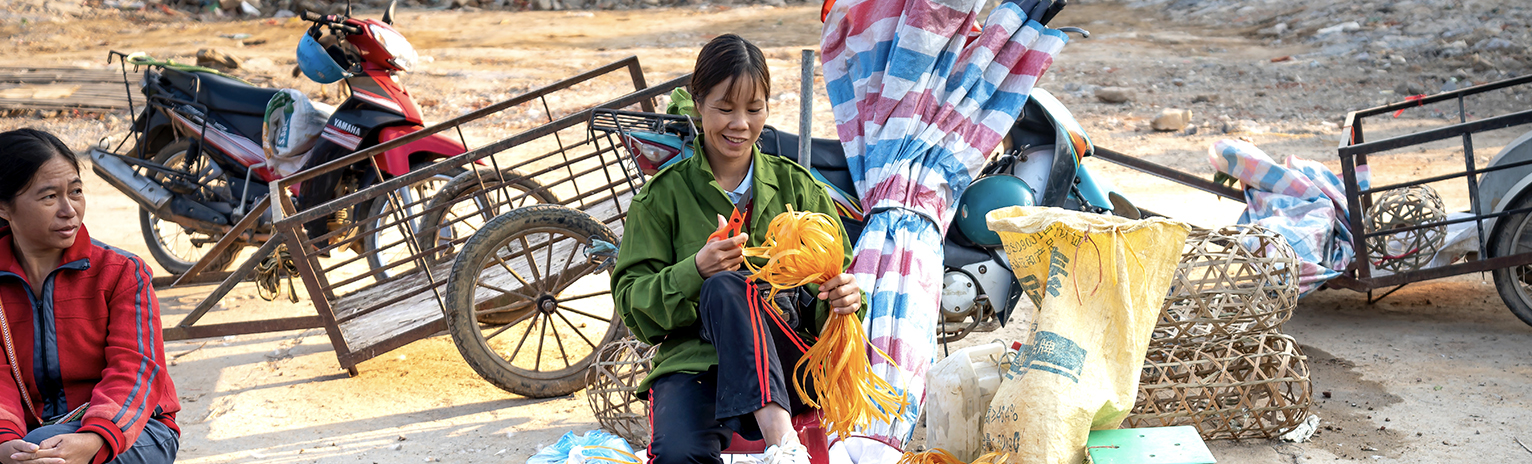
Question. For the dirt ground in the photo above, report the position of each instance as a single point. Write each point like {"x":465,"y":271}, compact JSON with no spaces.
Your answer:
{"x":1438,"y":372}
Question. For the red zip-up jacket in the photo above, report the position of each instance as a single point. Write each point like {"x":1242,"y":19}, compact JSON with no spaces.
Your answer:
{"x":93,"y":337}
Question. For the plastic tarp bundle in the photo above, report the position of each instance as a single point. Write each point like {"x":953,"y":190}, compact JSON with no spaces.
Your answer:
{"x":1097,"y":283}
{"x":918,"y":105}
{"x":1302,"y":200}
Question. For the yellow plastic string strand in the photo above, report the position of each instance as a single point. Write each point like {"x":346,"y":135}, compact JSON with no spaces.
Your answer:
{"x":941,"y":456}
{"x":635,"y":459}
{"x":805,"y":247}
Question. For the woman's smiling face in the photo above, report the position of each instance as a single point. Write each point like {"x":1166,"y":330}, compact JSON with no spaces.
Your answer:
{"x":732,"y":119}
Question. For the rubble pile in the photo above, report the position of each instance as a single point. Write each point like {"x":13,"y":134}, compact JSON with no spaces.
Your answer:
{"x":1477,"y":37}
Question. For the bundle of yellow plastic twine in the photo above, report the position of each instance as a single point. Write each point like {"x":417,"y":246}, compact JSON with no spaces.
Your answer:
{"x":941,"y":456}
{"x":630,"y":458}
{"x":805,"y":247}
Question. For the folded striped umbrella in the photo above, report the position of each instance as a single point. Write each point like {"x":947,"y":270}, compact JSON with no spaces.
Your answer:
{"x":920,"y":100}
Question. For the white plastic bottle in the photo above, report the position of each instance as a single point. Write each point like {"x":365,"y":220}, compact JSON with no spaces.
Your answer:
{"x":959,"y":389}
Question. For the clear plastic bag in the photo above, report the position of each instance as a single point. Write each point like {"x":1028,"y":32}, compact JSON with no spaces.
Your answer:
{"x":595,"y":447}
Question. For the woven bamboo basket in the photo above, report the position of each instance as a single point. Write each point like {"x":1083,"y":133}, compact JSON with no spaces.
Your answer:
{"x":1255,"y":386}
{"x":1230,"y":281}
{"x":1399,"y":209}
{"x":619,"y":367}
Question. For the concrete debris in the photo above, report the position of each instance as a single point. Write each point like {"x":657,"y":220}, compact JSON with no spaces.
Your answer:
{"x":1171,"y":120}
{"x":1479,"y":63}
{"x":1342,"y":27}
{"x":1493,"y":43}
{"x":1114,"y":94}
{"x":1277,"y":30}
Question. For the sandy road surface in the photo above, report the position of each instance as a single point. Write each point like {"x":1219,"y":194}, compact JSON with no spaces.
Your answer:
{"x":1438,"y":372}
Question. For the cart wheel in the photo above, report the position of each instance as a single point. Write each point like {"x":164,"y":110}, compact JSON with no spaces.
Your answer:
{"x":531,"y":265}
{"x":1512,"y":236}
{"x":462,"y":207}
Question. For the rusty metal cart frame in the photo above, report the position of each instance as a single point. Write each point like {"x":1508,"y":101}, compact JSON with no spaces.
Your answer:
{"x":1355,"y":148}
{"x":365,"y":319}
{"x":1353,"y":154}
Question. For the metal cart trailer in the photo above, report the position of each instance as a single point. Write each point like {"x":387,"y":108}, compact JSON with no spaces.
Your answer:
{"x":1499,"y":192}
{"x":1498,"y":195}
{"x":550,"y":201}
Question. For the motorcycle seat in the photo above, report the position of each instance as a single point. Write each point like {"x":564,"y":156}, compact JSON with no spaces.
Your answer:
{"x":827,"y":153}
{"x":222,"y":94}
{"x":828,"y":158}
{"x":238,"y":105}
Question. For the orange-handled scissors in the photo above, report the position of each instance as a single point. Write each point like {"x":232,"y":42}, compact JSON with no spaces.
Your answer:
{"x":736,"y":221}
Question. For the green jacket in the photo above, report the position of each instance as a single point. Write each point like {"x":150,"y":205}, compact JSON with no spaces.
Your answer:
{"x":655,"y":284}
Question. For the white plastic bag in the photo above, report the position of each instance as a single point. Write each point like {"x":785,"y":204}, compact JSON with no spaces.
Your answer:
{"x":291,"y":128}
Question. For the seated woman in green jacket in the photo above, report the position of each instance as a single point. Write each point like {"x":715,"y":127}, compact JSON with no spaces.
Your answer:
{"x":725,"y":358}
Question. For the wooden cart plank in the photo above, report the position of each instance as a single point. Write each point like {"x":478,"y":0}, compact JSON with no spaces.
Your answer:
{"x":418,"y":309}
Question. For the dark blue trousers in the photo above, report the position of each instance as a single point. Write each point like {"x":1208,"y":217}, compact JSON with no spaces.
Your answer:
{"x":694,"y":416}
{"x":156,"y":445}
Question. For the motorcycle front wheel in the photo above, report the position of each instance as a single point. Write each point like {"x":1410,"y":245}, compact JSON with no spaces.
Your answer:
{"x":173,"y":246}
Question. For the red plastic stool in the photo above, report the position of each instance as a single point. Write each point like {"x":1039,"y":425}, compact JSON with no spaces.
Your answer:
{"x":809,"y":433}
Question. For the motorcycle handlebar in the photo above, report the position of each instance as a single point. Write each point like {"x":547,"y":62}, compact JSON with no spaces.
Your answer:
{"x":332,"y":21}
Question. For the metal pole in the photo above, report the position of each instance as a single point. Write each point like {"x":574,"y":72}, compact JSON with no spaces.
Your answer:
{"x":806,"y":111}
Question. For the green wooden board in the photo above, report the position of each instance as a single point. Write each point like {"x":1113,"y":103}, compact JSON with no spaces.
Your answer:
{"x":1155,"y":445}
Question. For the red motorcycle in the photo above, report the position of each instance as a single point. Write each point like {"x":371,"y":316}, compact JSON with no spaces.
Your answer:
{"x":197,"y":164}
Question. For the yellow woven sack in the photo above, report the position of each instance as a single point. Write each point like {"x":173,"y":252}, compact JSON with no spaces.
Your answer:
{"x":1096,"y":283}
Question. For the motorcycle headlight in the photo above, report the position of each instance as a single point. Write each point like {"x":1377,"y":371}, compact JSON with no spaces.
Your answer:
{"x":402,"y":54}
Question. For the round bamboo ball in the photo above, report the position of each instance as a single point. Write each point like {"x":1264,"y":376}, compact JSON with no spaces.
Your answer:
{"x":620,"y":366}
{"x":1403,"y":208}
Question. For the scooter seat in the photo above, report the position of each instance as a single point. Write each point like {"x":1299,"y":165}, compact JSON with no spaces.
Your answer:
{"x":827,"y":153}
{"x":222,"y":94}
{"x":828,"y":158}
{"x":238,"y":105}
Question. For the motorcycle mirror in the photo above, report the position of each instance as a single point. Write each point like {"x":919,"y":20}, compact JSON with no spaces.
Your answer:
{"x":1084,"y":34}
{"x":348,"y":8}
{"x":388,"y":14}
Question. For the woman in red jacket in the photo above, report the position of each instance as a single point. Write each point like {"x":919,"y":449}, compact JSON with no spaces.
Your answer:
{"x":83,"y":379}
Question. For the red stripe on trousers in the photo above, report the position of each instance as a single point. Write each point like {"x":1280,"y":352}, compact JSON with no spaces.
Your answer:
{"x":761,"y":370}
{"x":789,"y":331}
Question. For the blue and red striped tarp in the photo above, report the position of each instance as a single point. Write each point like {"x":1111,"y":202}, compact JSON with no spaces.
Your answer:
{"x":920,"y":101}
